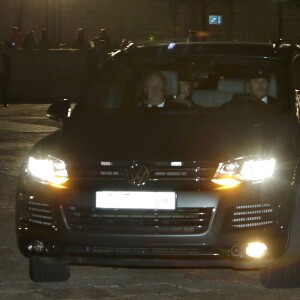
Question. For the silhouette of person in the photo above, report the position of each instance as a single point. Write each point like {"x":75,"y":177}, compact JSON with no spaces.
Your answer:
{"x":5,"y":69}
{"x":80,"y":40}
{"x":105,"y":37}
{"x":16,"y":38}
{"x":29,"y":41}
{"x":44,"y":42}
{"x":96,"y":56}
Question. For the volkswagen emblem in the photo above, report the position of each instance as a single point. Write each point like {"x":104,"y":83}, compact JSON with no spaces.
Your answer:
{"x":137,"y":175}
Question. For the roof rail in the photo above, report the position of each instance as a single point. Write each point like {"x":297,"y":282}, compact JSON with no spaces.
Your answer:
{"x":128,"y":48}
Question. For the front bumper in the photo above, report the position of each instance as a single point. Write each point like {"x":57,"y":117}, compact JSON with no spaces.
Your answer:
{"x":71,"y":228}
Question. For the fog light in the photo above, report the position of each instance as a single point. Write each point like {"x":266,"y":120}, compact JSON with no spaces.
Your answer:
{"x":256,"y":250}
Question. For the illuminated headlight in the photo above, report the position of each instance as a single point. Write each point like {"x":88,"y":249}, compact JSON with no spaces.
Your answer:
{"x":50,"y":170}
{"x":256,"y":250}
{"x":241,"y":170}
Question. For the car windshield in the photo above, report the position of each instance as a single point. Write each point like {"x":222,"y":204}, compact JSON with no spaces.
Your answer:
{"x":196,"y":83}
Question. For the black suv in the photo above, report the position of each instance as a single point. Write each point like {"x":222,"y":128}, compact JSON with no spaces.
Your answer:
{"x":210,"y":182}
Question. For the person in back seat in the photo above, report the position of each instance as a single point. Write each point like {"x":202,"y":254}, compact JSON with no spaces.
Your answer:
{"x":185,"y":92}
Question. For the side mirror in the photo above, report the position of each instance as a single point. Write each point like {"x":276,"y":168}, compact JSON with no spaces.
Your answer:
{"x":59,"y":110}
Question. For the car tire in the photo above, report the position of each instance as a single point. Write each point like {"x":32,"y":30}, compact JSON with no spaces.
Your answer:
{"x":281,"y":276}
{"x":48,"y":271}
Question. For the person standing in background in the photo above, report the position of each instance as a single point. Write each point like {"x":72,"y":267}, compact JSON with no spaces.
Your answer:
{"x":192,"y":36}
{"x":44,"y":42}
{"x":16,"y":38}
{"x":29,"y":41}
{"x":5,"y":68}
{"x":80,"y":40}
{"x":96,"y":56}
{"x":105,"y":37}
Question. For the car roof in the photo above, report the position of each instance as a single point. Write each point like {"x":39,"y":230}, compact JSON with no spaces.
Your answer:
{"x":244,"y":49}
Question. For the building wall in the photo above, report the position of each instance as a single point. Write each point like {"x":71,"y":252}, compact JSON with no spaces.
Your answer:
{"x":255,"y":20}
{"x":46,"y":75}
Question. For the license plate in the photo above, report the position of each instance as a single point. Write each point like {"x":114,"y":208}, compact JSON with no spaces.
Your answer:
{"x":136,"y":200}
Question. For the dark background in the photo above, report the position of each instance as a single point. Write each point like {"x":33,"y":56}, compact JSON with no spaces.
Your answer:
{"x":244,"y":20}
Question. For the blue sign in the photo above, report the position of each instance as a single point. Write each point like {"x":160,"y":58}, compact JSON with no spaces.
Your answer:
{"x":215,"y":20}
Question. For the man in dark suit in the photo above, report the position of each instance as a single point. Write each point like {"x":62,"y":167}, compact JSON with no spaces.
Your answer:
{"x":258,"y":82}
{"x":155,"y":88}
{"x":96,"y":56}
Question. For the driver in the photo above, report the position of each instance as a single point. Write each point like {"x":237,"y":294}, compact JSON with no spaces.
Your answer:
{"x":257,"y":98}
{"x":258,"y":82}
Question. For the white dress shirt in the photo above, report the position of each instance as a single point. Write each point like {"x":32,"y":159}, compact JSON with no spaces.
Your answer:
{"x":265,"y":99}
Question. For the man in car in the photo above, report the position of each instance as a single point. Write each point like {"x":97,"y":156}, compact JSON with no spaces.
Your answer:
{"x":258,"y":98}
{"x":155,"y":88}
{"x":258,"y":82}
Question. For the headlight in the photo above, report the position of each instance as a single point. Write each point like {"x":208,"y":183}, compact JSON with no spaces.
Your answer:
{"x":50,"y":170}
{"x":241,"y":170}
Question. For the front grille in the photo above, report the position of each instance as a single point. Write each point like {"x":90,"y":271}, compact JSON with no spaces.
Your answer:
{"x":37,"y":213}
{"x":178,"y":251}
{"x":251,"y":216}
{"x":198,"y":171}
{"x":181,"y":221}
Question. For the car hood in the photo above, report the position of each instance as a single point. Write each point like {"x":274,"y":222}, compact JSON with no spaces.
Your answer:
{"x":168,"y":136}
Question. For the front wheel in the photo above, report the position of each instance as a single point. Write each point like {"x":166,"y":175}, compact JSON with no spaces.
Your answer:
{"x":41,"y":270}
{"x":281,"y":276}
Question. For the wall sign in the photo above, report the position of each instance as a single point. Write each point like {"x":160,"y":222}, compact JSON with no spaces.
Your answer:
{"x":215,"y":20}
